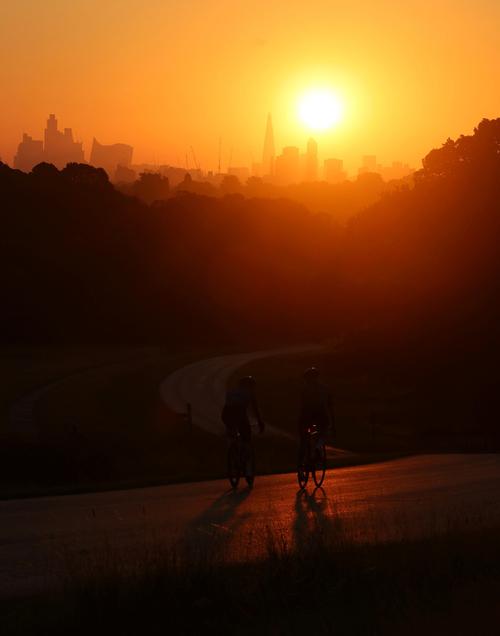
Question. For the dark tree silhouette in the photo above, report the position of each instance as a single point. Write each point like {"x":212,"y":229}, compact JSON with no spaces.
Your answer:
{"x":230,"y":184}
{"x":85,"y":176}
{"x":412,"y":282}
{"x":477,"y":154}
{"x":151,"y":187}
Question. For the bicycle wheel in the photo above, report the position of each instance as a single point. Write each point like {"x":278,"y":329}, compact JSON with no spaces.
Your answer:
{"x":303,"y":470}
{"x":319,"y":466}
{"x":233,"y":464}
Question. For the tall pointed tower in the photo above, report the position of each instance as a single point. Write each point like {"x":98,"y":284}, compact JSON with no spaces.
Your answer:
{"x":268,"y":154}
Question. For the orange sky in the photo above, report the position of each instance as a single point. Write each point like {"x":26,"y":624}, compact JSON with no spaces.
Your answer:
{"x":163,"y":75}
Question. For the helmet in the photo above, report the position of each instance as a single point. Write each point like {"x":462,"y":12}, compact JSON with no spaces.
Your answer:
{"x":248,"y":381}
{"x":311,"y":374}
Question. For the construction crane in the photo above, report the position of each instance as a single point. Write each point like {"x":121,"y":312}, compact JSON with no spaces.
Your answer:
{"x":197,"y":165}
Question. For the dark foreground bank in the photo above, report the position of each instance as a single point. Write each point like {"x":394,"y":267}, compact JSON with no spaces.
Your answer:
{"x":328,"y":584}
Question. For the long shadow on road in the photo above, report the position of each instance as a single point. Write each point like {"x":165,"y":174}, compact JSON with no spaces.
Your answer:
{"x":315,"y":518}
{"x":211,"y":532}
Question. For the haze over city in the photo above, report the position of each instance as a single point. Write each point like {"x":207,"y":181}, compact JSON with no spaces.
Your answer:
{"x":165,"y":76}
{"x":291,"y":166}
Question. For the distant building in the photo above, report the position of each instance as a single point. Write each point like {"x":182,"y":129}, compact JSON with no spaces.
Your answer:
{"x":29,"y":154}
{"x":59,"y":147}
{"x":174,"y":174}
{"x":333,"y":171}
{"x":256,"y":170}
{"x":242,"y":173}
{"x":197,"y":174}
{"x":123,"y":174}
{"x":215,"y":178}
{"x":287,"y":166}
{"x":398,"y":170}
{"x":110,"y":157}
{"x":369,"y":164}
{"x":311,"y":161}
{"x":268,"y":154}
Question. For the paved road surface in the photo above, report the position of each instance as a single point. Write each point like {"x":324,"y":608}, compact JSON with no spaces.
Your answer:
{"x":416,"y":495}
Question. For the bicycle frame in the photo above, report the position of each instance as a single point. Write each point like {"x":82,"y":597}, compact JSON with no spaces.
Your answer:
{"x":244,"y":463}
{"x":312,"y":458}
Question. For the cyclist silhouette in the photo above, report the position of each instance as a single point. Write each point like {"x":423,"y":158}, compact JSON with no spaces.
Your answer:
{"x":239,"y":402}
{"x":316,"y":407}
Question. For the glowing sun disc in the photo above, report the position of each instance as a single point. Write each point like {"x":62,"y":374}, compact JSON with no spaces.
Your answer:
{"x":320,"y":109}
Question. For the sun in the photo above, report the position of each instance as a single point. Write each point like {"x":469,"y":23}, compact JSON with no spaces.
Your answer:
{"x":320,"y":109}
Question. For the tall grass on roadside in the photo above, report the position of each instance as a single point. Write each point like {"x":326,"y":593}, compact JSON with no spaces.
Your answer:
{"x":326,"y":581}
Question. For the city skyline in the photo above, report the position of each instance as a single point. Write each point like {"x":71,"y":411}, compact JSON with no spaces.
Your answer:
{"x":290,"y":166}
{"x":207,"y":71}
{"x":57,"y":148}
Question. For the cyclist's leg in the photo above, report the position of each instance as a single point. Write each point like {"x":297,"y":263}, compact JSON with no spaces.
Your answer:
{"x":322,"y":426}
{"x":246,"y":441}
{"x":303,"y":439}
{"x":322,"y":430}
{"x":231,"y":430}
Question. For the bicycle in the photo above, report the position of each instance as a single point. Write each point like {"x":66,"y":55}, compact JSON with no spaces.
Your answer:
{"x":312,"y":459}
{"x":240,"y":461}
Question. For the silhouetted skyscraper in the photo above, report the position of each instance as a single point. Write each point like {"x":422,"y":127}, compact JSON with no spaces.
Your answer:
{"x":311,"y":161}
{"x":110,"y":157}
{"x":269,"y":153}
{"x":29,"y":154}
{"x":59,"y":147}
{"x":369,"y":164}
{"x":334,"y":171}
{"x":288,"y":166}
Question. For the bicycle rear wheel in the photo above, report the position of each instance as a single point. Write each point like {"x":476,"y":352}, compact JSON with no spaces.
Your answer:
{"x":233,"y":464}
{"x":319,"y":466}
{"x":302,"y":476}
{"x":303,"y":470}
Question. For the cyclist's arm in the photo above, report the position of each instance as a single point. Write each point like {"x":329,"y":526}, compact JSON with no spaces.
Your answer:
{"x":256,"y":412}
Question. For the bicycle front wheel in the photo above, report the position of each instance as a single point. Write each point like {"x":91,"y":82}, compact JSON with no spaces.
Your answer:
{"x":303,"y":470}
{"x":319,"y":466}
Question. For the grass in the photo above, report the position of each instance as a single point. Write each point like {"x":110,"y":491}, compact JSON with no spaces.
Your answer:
{"x":319,"y":578}
{"x":327,"y":582}
{"x":24,"y":369}
{"x":101,"y":425}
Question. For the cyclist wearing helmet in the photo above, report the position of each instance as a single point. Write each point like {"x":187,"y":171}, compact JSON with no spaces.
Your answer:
{"x":315,"y":408}
{"x":239,"y":401}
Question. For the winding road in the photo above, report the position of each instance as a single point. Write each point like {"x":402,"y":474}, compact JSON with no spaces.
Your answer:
{"x":42,"y":539}
{"x":203,"y":384}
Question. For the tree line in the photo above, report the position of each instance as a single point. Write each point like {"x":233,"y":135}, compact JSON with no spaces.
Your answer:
{"x":413,"y":277}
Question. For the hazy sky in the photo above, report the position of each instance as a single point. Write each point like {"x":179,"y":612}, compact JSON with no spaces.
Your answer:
{"x":163,"y":75}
